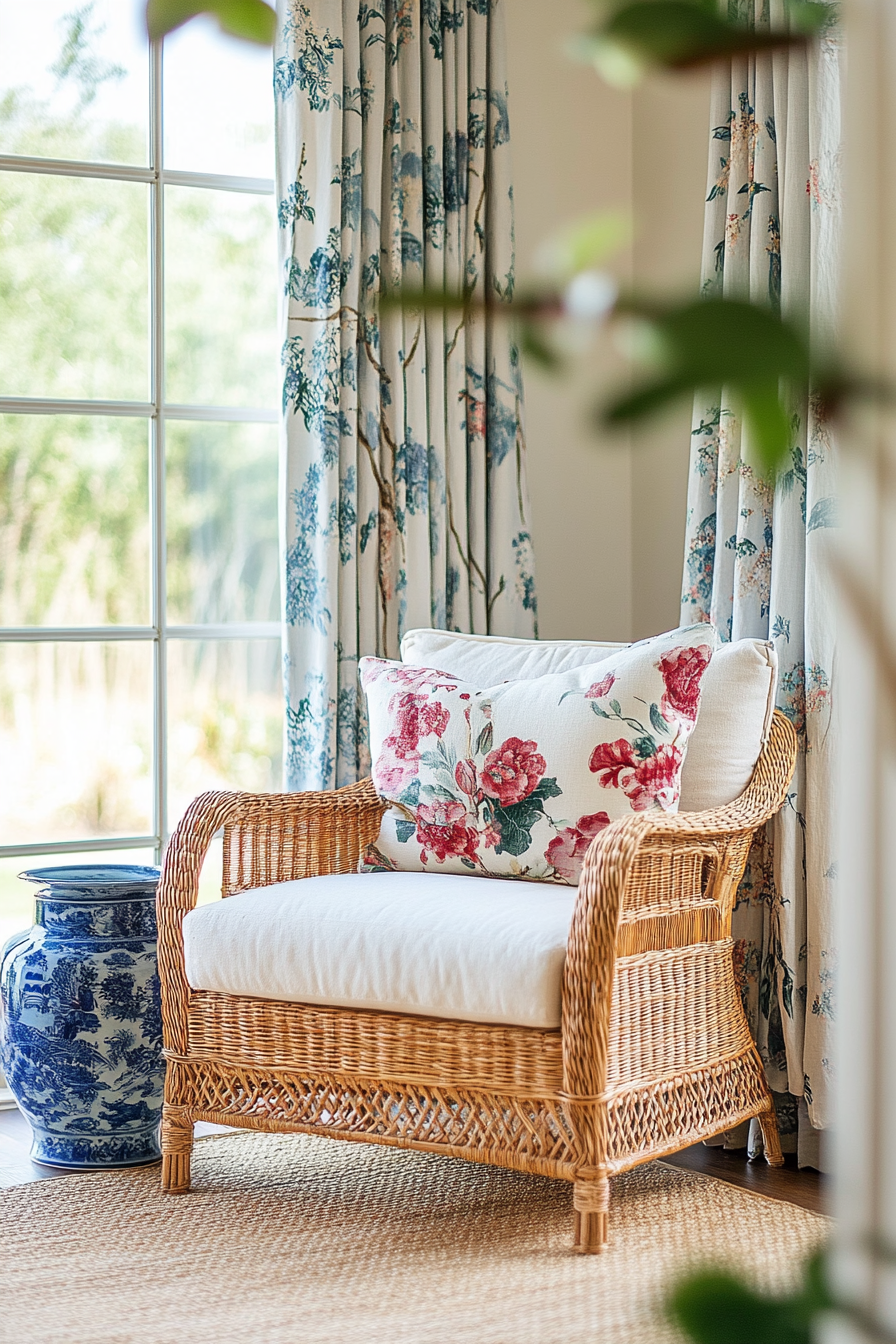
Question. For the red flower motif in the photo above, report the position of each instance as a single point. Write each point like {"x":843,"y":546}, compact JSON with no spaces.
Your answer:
{"x":567,"y":852}
{"x":609,"y":759}
{"x":415,"y":717}
{"x":601,"y":688}
{"x":489,"y":838}
{"x":682,"y":671}
{"x":511,"y":771}
{"x":372,"y":669}
{"x":739,"y":957}
{"x":476,"y":417}
{"x":656,"y":782}
{"x":441,"y":831}
{"x":413,"y":678}
{"x":465,"y":777}
{"x":394,"y":771}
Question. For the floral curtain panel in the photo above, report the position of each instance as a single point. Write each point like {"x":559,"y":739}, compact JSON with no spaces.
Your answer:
{"x":403,"y":477}
{"x":755,"y":550}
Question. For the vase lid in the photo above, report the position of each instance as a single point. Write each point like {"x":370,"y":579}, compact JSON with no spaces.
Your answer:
{"x":80,"y":876}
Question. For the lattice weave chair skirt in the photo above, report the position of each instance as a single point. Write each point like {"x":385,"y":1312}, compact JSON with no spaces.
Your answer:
{"x":653,"y":1053}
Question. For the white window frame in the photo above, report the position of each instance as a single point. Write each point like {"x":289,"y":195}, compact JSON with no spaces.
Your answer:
{"x":156,"y":411}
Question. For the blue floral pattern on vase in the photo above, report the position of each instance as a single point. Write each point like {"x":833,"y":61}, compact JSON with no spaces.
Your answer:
{"x":81,"y":1017}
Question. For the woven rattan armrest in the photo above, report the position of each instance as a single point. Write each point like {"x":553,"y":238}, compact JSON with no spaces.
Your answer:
{"x":655,"y":881}
{"x":268,"y":837}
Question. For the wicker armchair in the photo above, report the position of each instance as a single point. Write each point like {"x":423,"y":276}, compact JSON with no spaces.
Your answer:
{"x":653,"y":1054}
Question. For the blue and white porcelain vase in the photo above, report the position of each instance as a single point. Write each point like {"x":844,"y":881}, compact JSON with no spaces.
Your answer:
{"x":81,"y":1019}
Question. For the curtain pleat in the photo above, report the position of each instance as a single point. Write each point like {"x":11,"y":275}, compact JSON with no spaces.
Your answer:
{"x":403,"y":489}
{"x":755,"y":558}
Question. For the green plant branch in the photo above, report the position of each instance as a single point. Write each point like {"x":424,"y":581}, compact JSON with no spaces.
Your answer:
{"x":763,"y":359}
{"x":630,"y":38}
{"x":251,"y":20}
{"x":715,"y":1307}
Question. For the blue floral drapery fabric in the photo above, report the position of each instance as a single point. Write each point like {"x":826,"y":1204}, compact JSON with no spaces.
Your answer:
{"x":403,"y":482}
{"x":755,"y":550}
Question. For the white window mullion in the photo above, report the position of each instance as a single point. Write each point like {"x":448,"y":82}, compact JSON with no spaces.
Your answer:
{"x":157,"y":456}
{"x":79,"y":846}
{"x":120,"y":172}
{"x":137,"y":410}
{"x":74,"y":634}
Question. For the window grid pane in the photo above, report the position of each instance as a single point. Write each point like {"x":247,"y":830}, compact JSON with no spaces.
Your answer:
{"x":86,"y":94}
{"x":74,"y":521}
{"x":73,"y":269}
{"x":264,"y":706}
{"x":76,"y":740}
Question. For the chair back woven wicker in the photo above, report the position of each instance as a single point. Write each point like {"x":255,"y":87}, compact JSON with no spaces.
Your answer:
{"x":653,"y":1054}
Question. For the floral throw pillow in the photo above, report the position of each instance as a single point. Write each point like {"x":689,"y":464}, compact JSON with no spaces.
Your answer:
{"x":518,"y":779}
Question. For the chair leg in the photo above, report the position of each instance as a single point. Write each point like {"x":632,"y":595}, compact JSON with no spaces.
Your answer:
{"x":771,"y":1139}
{"x":591,"y":1201}
{"x":177,"y":1145}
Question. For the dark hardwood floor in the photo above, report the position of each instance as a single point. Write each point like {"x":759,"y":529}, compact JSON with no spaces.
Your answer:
{"x":804,"y":1187}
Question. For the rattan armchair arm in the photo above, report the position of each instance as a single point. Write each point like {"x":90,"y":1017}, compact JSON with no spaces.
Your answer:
{"x":609,"y":889}
{"x":650,"y":880}
{"x":758,"y":803}
{"x":268,"y":837}
{"x":178,"y":893}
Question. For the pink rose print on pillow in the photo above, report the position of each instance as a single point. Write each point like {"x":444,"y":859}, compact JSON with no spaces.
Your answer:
{"x":441,"y":831}
{"x":399,"y":761}
{"x":511,"y":771}
{"x":414,"y":678}
{"x":392,"y":773}
{"x":609,"y":759}
{"x":415,"y":717}
{"x":656,"y":782}
{"x":601,"y":688}
{"x":650,"y":781}
{"x":566,"y":853}
{"x":465,"y":777}
{"x":682,"y":671}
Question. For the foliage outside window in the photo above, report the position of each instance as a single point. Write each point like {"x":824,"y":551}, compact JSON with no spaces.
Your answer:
{"x":139,"y":580}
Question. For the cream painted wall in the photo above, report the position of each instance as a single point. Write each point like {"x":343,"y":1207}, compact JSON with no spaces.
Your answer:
{"x":607,"y":519}
{"x":670,"y":119}
{"x":572,"y":154}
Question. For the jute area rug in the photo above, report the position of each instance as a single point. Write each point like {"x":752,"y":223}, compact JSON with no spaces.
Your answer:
{"x":293,"y":1240}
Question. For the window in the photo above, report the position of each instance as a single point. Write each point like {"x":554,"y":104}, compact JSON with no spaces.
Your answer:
{"x":139,"y":577}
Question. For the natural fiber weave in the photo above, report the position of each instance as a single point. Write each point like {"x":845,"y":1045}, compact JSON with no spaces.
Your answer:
{"x":654,"y":1051}
{"x":295,"y":1240}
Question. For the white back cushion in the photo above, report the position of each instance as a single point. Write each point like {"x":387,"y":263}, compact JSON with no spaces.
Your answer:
{"x":489,"y":659}
{"x":736,"y":706}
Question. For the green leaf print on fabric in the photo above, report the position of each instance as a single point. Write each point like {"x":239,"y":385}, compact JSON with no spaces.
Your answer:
{"x":515,"y":822}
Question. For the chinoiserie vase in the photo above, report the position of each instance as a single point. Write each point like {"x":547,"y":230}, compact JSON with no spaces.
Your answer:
{"x":81,"y":1020}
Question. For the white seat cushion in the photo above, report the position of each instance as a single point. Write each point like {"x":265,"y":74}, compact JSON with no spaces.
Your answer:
{"x":436,"y":945}
{"x":736,"y":704}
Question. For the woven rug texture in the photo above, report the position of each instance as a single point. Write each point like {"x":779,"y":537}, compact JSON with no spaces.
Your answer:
{"x":287,"y":1239}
